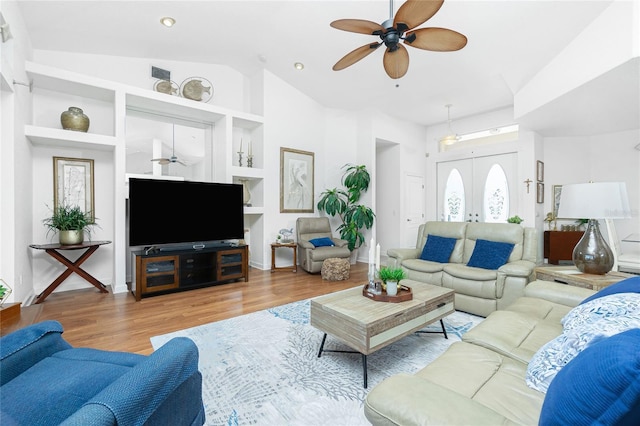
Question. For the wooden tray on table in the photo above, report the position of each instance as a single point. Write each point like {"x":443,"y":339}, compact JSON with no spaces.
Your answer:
{"x":404,"y":294}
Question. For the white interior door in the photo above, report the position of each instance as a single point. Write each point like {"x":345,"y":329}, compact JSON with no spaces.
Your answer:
{"x":414,"y":208}
{"x":480,"y":189}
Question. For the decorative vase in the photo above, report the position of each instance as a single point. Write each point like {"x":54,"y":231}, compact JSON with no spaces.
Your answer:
{"x":68,"y":238}
{"x":74,"y":119}
{"x":246,"y":194}
{"x":592,"y":254}
{"x":392,"y":288}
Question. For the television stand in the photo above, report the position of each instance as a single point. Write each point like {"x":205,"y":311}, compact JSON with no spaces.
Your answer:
{"x":179,"y":270}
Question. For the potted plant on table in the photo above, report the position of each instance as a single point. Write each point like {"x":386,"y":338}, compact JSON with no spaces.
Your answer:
{"x":344,"y":203}
{"x":70,"y":222}
{"x":391,"y":277}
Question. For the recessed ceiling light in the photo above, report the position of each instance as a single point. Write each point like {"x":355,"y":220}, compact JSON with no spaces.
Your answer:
{"x":298,"y":66}
{"x":167,"y":21}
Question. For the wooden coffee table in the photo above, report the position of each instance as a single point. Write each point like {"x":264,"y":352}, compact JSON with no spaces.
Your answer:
{"x":367,"y":325}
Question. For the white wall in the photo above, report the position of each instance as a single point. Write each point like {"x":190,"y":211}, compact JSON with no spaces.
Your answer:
{"x":602,"y":158}
{"x":228,"y":85}
{"x":15,"y":168}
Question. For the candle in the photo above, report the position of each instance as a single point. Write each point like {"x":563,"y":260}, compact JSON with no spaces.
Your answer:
{"x":249,"y":146}
{"x":378,"y":257}
{"x":240,"y":150}
{"x":371,"y":252}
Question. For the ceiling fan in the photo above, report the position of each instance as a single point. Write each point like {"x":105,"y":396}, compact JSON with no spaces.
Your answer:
{"x":401,"y":28}
{"x":173,"y":158}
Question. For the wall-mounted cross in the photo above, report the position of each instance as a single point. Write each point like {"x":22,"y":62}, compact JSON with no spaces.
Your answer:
{"x":528,"y":182}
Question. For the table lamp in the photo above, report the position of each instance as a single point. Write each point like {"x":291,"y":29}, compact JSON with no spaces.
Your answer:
{"x":593,"y":201}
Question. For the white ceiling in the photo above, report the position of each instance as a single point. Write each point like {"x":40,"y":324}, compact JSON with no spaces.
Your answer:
{"x":508,"y":43}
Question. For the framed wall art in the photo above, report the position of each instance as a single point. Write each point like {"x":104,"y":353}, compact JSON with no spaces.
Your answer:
{"x":73,"y":184}
{"x":296,"y":181}
{"x":540,"y":171}
{"x":557,"y":190}
{"x":540,"y":193}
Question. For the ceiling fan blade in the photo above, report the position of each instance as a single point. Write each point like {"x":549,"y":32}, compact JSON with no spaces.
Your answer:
{"x":162,"y":161}
{"x":436,"y":39}
{"x":415,"y":12}
{"x":360,"y":26}
{"x":355,"y":55}
{"x":396,"y":63}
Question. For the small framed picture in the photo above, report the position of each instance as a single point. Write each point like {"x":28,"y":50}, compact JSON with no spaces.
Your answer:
{"x":296,"y":181}
{"x":540,"y":193}
{"x":540,"y":171}
{"x":557,"y":191}
{"x":73,"y":184}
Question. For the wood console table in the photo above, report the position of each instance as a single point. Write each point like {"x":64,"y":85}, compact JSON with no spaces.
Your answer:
{"x":54,"y":251}
{"x":572,"y":276}
{"x":558,"y":245}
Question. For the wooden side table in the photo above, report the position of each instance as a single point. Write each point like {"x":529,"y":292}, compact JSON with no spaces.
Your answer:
{"x":292,"y":246}
{"x":53,"y":251}
{"x":572,"y":276}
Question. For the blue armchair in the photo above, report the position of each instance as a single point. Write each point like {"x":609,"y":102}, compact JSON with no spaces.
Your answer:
{"x":45,"y":381}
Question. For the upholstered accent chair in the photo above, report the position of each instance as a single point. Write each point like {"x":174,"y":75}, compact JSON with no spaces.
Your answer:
{"x":316,"y":243}
{"x":45,"y":381}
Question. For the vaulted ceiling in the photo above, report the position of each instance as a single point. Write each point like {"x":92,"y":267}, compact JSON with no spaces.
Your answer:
{"x":508,"y":43}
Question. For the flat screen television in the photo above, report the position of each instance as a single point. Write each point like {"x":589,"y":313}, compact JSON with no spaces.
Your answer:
{"x":170,"y":212}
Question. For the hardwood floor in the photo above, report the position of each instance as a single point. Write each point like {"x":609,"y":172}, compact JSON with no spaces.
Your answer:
{"x":117,"y":322}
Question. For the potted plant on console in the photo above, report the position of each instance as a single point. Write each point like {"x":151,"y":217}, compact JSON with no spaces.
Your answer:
{"x":344,"y":203}
{"x":391,"y":277}
{"x":70,"y":222}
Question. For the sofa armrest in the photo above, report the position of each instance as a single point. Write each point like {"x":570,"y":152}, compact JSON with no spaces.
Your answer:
{"x":401,"y":254}
{"x":518,"y":268}
{"x":563,"y":294}
{"x":26,"y":347}
{"x":136,"y":396}
{"x":410,"y":400}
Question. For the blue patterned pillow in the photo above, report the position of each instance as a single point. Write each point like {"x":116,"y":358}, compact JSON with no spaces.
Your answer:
{"x":600,"y":386}
{"x":556,"y":354}
{"x":322,"y":242}
{"x":438,"y":249}
{"x":629,"y":285}
{"x":614,"y":305}
{"x":490,"y":254}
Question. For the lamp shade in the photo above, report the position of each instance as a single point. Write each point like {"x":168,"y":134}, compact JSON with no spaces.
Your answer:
{"x":600,"y":200}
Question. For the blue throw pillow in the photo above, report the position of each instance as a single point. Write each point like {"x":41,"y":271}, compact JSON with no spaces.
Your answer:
{"x":629,"y":285}
{"x":490,"y":254}
{"x":322,"y":242}
{"x":438,"y":249}
{"x":599,"y":386}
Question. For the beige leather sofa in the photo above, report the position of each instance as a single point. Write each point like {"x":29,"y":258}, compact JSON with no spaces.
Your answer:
{"x":481,"y":380}
{"x":478,"y":291}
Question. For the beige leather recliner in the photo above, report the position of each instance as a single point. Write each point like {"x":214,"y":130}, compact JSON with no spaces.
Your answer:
{"x":311,"y":257}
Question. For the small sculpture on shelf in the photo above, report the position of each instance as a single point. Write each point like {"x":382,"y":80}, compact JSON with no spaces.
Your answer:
{"x":240,"y":152}
{"x":286,"y":235}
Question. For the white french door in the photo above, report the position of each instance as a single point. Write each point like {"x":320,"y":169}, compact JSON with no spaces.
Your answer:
{"x":480,"y":189}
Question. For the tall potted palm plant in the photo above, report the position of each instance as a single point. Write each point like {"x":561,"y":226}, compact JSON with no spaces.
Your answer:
{"x":344,"y":203}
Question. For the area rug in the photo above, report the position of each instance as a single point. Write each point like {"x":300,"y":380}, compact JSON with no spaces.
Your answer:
{"x":263,"y":368}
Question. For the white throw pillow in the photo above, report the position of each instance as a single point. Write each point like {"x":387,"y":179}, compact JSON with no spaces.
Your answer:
{"x":586,"y":326}
{"x":614,"y":305}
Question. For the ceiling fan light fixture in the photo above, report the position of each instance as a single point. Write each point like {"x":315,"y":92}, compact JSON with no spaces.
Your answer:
{"x":167,"y":21}
{"x":451,"y":137}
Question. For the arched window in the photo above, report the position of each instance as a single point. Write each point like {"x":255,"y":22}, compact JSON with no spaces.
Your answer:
{"x":496,"y":195}
{"x":454,"y":198}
